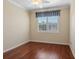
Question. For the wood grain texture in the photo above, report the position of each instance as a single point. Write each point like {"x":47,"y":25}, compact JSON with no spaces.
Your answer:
{"x":36,"y":50}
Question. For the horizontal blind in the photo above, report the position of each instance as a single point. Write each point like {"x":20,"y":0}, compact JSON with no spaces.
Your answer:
{"x":48,"y":13}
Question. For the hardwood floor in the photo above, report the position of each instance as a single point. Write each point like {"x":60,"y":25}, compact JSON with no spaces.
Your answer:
{"x":33,"y":50}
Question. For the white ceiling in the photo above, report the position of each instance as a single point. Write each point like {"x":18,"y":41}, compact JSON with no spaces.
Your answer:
{"x":28,"y":5}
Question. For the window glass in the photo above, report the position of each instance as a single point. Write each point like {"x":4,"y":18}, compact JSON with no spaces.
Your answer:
{"x":42,"y":23}
{"x":53,"y":23}
{"x":48,"y":21}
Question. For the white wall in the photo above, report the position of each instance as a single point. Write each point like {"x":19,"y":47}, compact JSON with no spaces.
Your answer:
{"x":72,"y":27}
{"x":58,"y":38}
{"x":16,"y":26}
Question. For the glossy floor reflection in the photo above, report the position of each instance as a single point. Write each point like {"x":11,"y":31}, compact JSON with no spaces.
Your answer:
{"x":34,"y":50}
{"x":46,"y":55}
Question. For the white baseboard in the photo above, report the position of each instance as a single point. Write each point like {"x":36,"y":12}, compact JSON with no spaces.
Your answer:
{"x":33,"y":41}
{"x":15,"y":46}
{"x":72,"y":50}
{"x":50,"y":42}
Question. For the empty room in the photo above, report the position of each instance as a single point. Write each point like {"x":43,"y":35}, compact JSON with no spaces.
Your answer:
{"x":38,"y":29}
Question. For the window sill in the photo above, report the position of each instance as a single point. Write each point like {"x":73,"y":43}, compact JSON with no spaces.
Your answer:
{"x":49,"y":32}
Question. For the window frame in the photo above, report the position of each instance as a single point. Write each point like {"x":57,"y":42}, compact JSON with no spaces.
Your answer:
{"x":57,"y":31}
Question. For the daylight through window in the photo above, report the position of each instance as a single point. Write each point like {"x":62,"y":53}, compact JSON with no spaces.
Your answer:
{"x":48,"y":21}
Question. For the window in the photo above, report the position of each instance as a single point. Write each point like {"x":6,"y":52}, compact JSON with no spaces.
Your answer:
{"x":48,"y":21}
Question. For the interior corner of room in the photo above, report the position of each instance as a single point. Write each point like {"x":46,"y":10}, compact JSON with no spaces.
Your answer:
{"x":21,"y":26}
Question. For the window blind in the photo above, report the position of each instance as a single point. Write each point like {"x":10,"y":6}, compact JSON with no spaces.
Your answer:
{"x":48,"y":13}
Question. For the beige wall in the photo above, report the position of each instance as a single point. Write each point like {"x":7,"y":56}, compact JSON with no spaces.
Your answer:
{"x":60,"y":38}
{"x":72,"y":27}
{"x":16,"y":26}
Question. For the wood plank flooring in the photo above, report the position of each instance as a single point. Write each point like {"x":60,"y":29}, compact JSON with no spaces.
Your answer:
{"x":33,"y":50}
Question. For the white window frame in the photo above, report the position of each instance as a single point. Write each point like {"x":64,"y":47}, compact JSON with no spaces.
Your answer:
{"x":57,"y":31}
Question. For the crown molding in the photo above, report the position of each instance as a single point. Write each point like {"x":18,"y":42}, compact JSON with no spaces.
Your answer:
{"x":16,"y":4}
